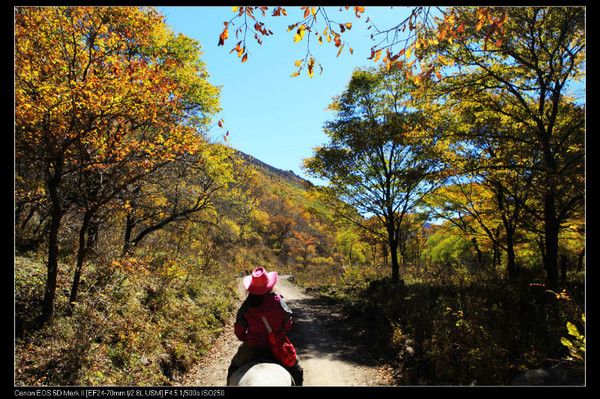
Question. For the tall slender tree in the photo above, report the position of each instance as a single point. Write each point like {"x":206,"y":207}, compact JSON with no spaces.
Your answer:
{"x":377,"y":159}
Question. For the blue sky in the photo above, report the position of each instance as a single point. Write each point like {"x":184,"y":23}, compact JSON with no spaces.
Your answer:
{"x":270,"y":115}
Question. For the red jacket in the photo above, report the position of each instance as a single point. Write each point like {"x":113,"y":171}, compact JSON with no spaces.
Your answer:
{"x":249,"y":327}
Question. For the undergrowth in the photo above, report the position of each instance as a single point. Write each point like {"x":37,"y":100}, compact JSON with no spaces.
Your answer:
{"x":461,"y":331}
{"x":129,"y":327}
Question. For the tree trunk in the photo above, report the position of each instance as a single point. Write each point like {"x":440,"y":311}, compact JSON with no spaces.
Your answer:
{"x":127,"y":239}
{"x":52,"y":272}
{"x":384,"y":250}
{"x":56,"y":214}
{"x":496,"y":258}
{"x":551,"y":229}
{"x":393,"y":247}
{"x":395,"y":264}
{"x":479,"y":253}
{"x":511,"y":268}
{"x":92,"y":233}
{"x":81,"y":252}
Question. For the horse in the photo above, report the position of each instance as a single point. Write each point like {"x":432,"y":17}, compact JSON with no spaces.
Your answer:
{"x":261,"y":373}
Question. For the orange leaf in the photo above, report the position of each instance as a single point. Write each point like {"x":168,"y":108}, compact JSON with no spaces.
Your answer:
{"x":337,"y":41}
{"x":348,"y":25}
{"x":377,"y":55}
{"x":311,"y":64}
{"x":245,"y":57}
{"x":224,"y":35}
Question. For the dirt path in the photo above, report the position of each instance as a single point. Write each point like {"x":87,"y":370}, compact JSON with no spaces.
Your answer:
{"x":325,"y":357}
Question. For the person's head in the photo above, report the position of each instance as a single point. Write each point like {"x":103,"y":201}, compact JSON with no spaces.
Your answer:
{"x":260,"y":282}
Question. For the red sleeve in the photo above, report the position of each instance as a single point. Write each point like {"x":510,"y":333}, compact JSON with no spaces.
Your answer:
{"x":240,"y":326}
{"x":240,"y":331}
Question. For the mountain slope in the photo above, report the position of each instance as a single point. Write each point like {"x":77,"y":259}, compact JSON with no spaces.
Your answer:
{"x":273,"y":171}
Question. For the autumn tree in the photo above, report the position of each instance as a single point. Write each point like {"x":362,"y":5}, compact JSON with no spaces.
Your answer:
{"x":518,"y":70}
{"x":377,"y":159}
{"x":280,"y":229}
{"x":491,"y":182}
{"x":303,"y":245}
{"x":103,"y":96}
{"x":178,"y":191}
{"x":242,"y":197}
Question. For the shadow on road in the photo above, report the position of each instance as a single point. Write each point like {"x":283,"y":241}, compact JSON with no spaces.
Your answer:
{"x":319,"y":331}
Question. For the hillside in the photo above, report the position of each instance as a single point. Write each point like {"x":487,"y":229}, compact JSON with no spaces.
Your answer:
{"x":273,"y":171}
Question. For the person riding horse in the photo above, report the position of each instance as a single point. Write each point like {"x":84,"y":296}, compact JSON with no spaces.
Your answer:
{"x":251,"y":330}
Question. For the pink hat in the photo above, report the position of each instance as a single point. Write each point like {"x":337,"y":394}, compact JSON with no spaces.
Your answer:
{"x":260,"y":282}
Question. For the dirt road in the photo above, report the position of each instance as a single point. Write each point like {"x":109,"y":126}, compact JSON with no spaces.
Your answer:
{"x":325,"y":356}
